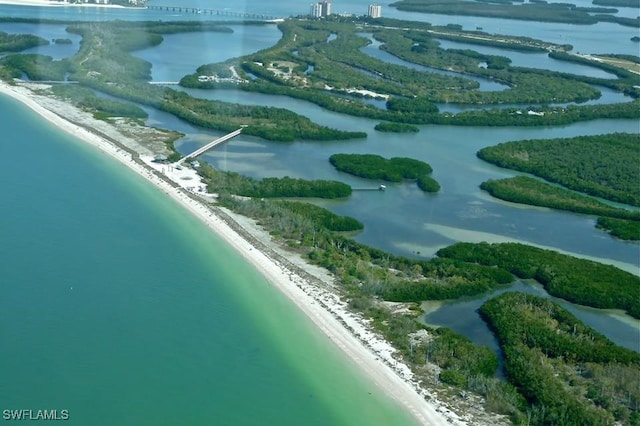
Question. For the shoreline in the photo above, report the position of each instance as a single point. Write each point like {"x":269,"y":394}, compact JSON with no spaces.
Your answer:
{"x":300,"y":282}
{"x":49,"y":3}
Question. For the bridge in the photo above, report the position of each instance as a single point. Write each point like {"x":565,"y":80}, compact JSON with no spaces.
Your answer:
{"x":210,"y":145}
{"x":165,"y":83}
{"x":216,"y":12}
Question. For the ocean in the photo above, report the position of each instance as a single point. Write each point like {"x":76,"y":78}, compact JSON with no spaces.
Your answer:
{"x":119,"y":307}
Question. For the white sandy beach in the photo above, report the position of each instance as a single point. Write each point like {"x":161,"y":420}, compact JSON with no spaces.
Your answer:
{"x":322,"y":306}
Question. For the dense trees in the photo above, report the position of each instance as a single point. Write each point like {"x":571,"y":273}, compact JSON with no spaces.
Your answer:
{"x":396,"y":169}
{"x":621,"y":228}
{"x":522,"y":85}
{"x":428,"y":184}
{"x":446,"y":279}
{"x":104,"y":63}
{"x":396,"y":127}
{"x":526,"y":190}
{"x":602,"y":165}
{"x":561,"y":366}
{"x":35,"y":67}
{"x":538,"y":11}
{"x":87,"y":99}
{"x":322,"y":217}
{"x":577,"y":280}
{"x":468,"y":269}
{"x":236,"y":184}
{"x":621,"y":223}
{"x":372,"y":166}
{"x":18,"y":42}
{"x":323,"y":71}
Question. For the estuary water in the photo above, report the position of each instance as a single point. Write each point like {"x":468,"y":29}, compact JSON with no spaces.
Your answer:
{"x":118,"y":306}
{"x":115,"y":302}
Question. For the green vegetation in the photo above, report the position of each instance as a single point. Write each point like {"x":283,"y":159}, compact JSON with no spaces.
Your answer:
{"x":464,"y":365}
{"x":620,"y":228}
{"x":569,"y":374}
{"x":86,"y":99}
{"x":321,"y":217}
{"x":538,"y":11}
{"x":289,"y":187}
{"x":396,"y":169}
{"x":35,"y":67}
{"x":526,"y":190}
{"x":293,"y":219}
{"x":605,"y":165}
{"x":396,"y":128}
{"x":305,"y":66}
{"x":625,"y":67}
{"x":618,"y":3}
{"x":366,"y":274}
{"x":352,"y":262}
{"x":577,"y":280}
{"x":428,"y":184}
{"x":461,"y":280}
{"x":236,"y":184}
{"x":104,"y":63}
{"x":523,"y":85}
{"x":539,"y":116}
{"x":19,"y":42}
{"x":372,"y":166}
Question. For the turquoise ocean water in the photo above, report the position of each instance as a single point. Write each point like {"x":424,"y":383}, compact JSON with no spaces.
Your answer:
{"x":118,"y":306}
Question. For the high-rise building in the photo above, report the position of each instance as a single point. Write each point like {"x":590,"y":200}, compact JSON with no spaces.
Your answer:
{"x":316,"y":10}
{"x":326,"y":8}
{"x":375,"y":10}
{"x":321,"y":9}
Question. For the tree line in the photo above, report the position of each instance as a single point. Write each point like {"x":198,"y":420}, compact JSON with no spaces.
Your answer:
{"x":371,"y":166}
{"x":601,"y":165}
{"x":577,"y":280}
{"x":621,"y":223}
{"x":568,"y":373}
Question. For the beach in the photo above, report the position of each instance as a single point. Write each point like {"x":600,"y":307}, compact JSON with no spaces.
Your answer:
{"x":308,"y":287}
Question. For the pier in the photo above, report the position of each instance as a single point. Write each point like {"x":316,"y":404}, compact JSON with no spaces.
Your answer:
{"x":210,"y":145}
{"x":376,"y":188}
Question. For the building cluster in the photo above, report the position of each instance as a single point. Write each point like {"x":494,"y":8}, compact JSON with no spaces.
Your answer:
{"x":323,"y":9}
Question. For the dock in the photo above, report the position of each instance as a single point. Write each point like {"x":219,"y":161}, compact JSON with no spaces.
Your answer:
{"x":377,"y":188}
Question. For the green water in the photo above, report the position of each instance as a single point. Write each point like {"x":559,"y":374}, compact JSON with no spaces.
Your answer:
{"x":121,"y":308}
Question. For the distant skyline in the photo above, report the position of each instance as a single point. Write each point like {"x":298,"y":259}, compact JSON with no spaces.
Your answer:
{"x":322,"y":9}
